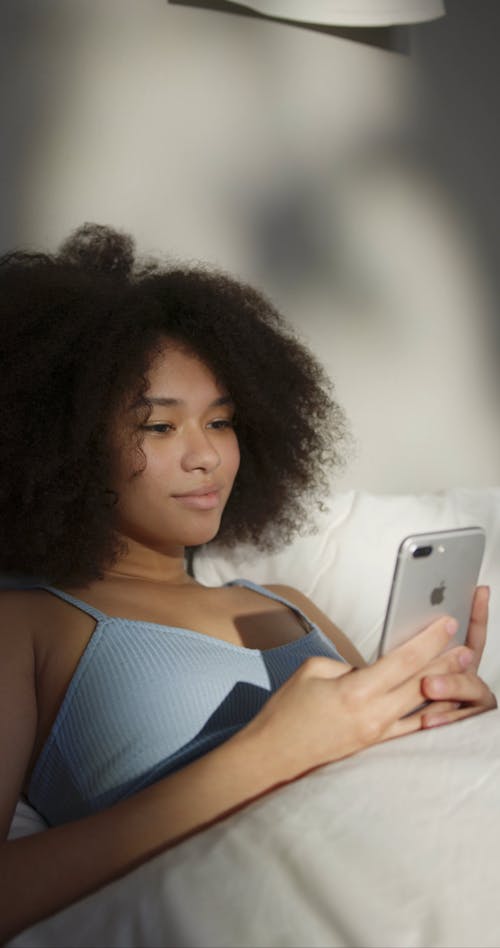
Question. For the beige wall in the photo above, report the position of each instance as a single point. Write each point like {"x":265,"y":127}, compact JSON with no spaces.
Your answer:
{"x":281,"y":155}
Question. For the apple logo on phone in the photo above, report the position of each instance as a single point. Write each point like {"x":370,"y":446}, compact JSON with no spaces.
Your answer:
{"x":437,"y":594}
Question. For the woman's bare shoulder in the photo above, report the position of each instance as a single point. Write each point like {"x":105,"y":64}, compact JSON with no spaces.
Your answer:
{"x":18,"y":701}
{"x":23,"y":606}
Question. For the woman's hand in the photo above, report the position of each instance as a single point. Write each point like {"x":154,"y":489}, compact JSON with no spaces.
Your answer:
{"x":327,"y":710}
{"x":462,"y":693}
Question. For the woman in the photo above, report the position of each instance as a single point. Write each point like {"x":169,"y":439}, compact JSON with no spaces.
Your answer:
{"x":148,"y":412}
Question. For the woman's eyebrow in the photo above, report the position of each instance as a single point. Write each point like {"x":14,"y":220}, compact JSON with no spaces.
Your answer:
{"x":163,"y":400}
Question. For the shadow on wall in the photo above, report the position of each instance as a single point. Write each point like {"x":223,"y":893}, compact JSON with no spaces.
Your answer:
{"x":458,"y":66}
{"x":295,"y":159}
{"x":34,"y":90}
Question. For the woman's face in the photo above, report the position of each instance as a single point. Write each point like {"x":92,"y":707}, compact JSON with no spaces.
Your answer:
{"x":192,"y":458}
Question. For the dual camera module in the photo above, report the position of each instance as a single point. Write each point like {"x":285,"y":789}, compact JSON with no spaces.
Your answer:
{"x":419,"y":552}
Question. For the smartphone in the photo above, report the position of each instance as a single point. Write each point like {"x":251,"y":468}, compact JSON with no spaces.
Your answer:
{"x":435,"y":575}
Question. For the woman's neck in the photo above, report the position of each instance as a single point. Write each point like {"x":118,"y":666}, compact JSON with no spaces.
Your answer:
{"x":143,"y":564}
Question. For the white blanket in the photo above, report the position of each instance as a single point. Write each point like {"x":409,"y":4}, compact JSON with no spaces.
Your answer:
{"x":397,"y":846}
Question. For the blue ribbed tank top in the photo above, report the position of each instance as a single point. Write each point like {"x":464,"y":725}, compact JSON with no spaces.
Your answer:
{"x":146,"y":699}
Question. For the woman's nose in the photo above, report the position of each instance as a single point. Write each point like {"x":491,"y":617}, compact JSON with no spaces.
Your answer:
{"x":200,"y":453}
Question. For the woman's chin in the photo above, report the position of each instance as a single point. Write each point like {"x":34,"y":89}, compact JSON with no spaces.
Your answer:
{"x":200,"y":541}
{"x":200,"y":536}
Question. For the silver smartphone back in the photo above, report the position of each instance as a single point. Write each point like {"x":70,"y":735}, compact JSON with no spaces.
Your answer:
{"x":435,"y":575}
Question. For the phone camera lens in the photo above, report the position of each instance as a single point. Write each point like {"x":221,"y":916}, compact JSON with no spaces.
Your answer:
{"x":422,"y":551}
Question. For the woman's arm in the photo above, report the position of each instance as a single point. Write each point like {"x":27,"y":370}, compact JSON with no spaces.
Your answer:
{"x":47,"y":871}
{"x":321,"y":714}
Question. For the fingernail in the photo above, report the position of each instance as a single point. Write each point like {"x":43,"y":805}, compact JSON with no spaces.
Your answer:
{"x":432,"y":720}
{"x":437,"y":686}
{"x":464,"y":659}
{"x":451,"y":626}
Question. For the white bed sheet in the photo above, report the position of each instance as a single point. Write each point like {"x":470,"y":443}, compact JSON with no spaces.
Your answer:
{"x":399,"y":846}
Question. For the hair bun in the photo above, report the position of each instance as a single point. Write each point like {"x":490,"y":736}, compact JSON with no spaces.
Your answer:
{"x":97,"y":247}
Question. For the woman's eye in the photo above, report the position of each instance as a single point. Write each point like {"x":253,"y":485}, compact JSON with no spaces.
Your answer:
{"x":221,"y":423}
{"x":158,"y":428}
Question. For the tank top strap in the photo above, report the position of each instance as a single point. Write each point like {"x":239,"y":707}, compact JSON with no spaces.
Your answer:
{"x":79,"y":603}
{"x":271,"y":595}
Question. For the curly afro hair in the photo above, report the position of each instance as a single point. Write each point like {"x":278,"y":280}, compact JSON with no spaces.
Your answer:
{"x":80,"y":330}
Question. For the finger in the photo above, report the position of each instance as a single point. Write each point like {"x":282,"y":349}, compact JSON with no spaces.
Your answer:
{"x":413,"y":656}
{"x":436,"y":714}
{"x":407,"y":696}
{"x":463,"y":688}
{"x":431,"y":718}
{"x":413,"y":722}
{"x":406,"y":700}
{"x":457,"y":659}
{"x":476,"y":633}
{"x":439,"y":707}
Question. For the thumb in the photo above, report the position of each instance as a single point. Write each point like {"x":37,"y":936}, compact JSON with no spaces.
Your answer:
{"x":476,"y":634}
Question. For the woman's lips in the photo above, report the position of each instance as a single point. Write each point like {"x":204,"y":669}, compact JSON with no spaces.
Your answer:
{"x":204,"y":499}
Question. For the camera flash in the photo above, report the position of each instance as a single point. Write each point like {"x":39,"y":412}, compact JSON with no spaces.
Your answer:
{"x":440,"y":549}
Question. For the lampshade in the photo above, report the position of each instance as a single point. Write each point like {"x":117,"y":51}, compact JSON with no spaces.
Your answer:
{"x":349,"y":12}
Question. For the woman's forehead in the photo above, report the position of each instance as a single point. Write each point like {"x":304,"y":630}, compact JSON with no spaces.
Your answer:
{"x":177,"y":373}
